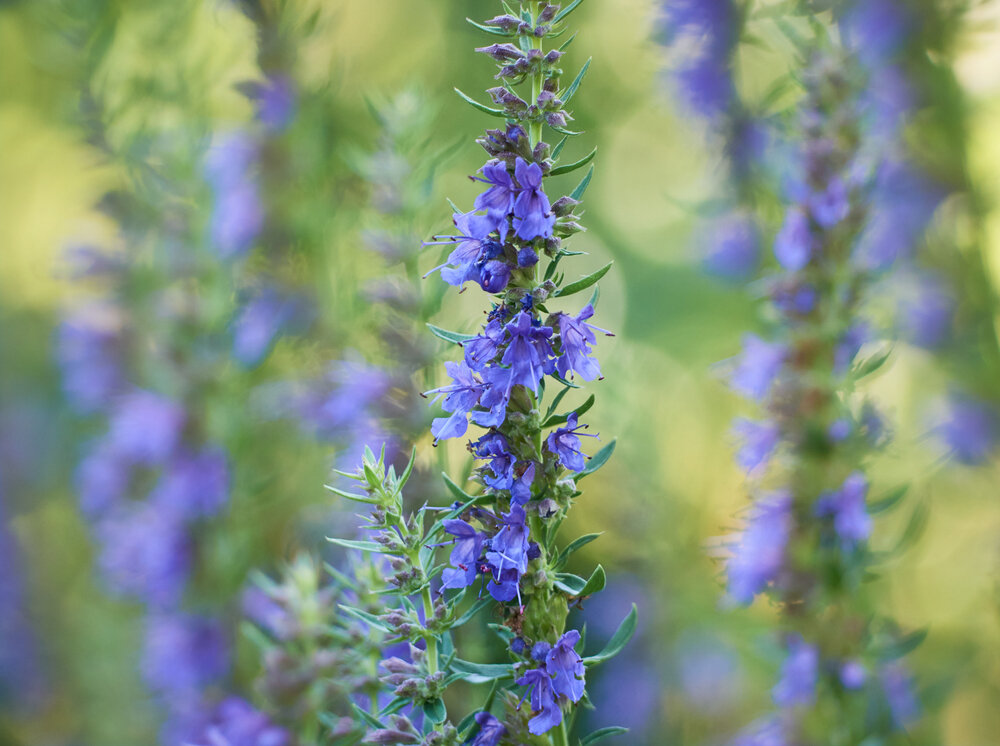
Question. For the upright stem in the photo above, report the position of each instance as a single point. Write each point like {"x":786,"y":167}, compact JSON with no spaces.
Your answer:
{"x":537,"y":81}
{"x":432,"y":645}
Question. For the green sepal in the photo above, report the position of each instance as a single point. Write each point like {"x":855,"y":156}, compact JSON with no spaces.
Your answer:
{"x":584,"y":282}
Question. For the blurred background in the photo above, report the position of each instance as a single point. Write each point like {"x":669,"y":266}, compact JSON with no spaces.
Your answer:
{"x":210,"y":220}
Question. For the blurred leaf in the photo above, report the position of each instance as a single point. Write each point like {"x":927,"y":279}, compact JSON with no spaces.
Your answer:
{"x":890,"y":500}
{"x":447,"y":336}
{"x":914,"y":529}
{"x":903,"y":646}
{"x":600,"y":735}
{"x":618,"y":641}
{"x":365,"y":617}
{"x":364,"y":546}
{"x":367,"y":717}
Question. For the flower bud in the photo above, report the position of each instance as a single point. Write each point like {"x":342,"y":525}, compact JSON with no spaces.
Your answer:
{"x":502,"y":52}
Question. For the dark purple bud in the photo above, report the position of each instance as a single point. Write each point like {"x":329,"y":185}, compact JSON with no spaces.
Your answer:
{"x":517,"y":646}
{"x":507,"y":22}
{"x":540,"y":650}
{"x":390,"y":736}
{"x":553,"y":56}
{"x":540,"y":152}
{"x":546,"y":99}
{"x":527,"y":257}
{"x":548,"y":13}
{"x":502,"y":52}
{"x":508,"y":100}
{"x":556,"y":119}
{"x":564,"y":206}
{"x":494,"y":276}
{"x":551,"y":85}
{"x":534,"y":551}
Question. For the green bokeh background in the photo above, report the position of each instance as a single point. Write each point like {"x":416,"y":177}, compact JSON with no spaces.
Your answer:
{"x":671,"y":489}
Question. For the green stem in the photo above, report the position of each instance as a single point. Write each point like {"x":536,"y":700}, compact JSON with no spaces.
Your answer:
{"x":537,"y":81}
{"x":432,"y":643}
{"x":560,"y":736}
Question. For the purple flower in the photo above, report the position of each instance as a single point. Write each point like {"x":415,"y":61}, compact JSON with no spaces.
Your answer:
{"x":276,"y":103}
{"x":504,"y":586}
{"x":793,"y":246}
{"x":529,"y":353}
{"x":533,"y":217}
{"x":498,"y":200}
{"x":733,"y":250}
{"x":482,"y":350}
{"x":877,"y":29}
{"x":495,"y":447}
{"x":183,"y":653}
{"x":760,"y":552}
{"x":459,"y":399}
{"x":498,"y":382}
{"x":193,"y":485}
{"x":757,"y":367}
{"x":575,"y":339}
{"x":88,"y":355}
{"x":848,"y":508}
{"x":145,"y":427}
{"x":970,"y":429}
{"x":465,"y":556}
{"x":490,"y":732}
{"x":799,"y":673}
{"x":509,"y":547}
{"x":849,"y":347}
{"x":543,"y":701}
{"x":759,"y":440}
{"x":237,"y":723}
{"x":898,"y":687}
{"x":853,"y":675}
{"x":238,"y":214}
{"x":832,"y":205}
{"x":472,"y":251}
{"x":146,"y":553}
{"x":565,"y":666}
{"x":520,"y":490}
{"x":259,"y":323}
{"x":102,"y":480}
{"x":926,"y":311}
{"x":564,"y":443}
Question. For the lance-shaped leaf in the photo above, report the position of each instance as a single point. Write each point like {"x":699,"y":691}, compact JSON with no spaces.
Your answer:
{"x":584,"y":282}
{"x":600,"y":735}
{"x":454,"y":337}
{"x":575,"y":85}
{"x":483,"y":108}
{"x":566,"y":11}
{"x":574,"y":585}
{"x":480,"y":673}
{"x":618,"y":640}
{"x":570,"y":167}
{"x":577,"y":193}
{"x":565,"y":554}
{"x":598,"y":460}
{"x":366,"y":617}
{"x":560,"y":419}
{"x":495,"y":30}
{"x":352,"y":495}
{"x":889,"y":500}
{"x":364,"y":546}
{"x":903,"y":646}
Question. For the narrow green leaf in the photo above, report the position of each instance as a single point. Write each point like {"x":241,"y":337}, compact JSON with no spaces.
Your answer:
{"x":584,"y":282}
{"x":577,"y":193}
{"x":485,"y":109}
{"x":490,"y":29}
{"x":409,"y":467}
{"x":480,"y":673}
{"x":600,"y":735}
{"x":903,"y":646}
{"x":595,"y":296}
{"x":558,"y":148}
{"x":447,"y":336}
{"x":618,"y":641}
{"x":914,"y":529}
{"x":566,"y":11}
{"x":364,"y":546}
{"x":365,"y":617}
{"x":889,"y":501}
{"x":595,"y":583}
{"x":472,"y":611}
{"x":397,"y":704}
{"x":555,"y":402}
{"x":571,"y":91}
{"x":599,"y":459}
{"x":457,"y":491}
{"x":583,"y":541}
{"x":870,"y":365}
{"x":367,"y":717}
{"x":506,"y":634}
{"x":568,"y":133}
{"x":564,"y":382}
{"x":569,"y":41}
{"x":560,"y":419}
{"x":569,"y":168}
{"x":352,"y":495}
